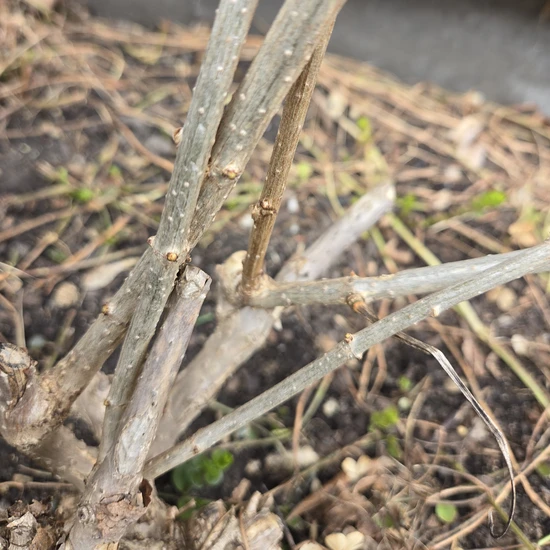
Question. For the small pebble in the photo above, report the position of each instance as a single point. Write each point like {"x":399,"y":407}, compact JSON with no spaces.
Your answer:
{"x":520,"y":344}
{"x":506,"y":299}
{"x":65,"y":295}
{"x":404,"y":403}
{"x":462,"y":430}
{"x":294,"y":229}
{"x":452,"y":174}
{"x":293,"y":205}
{"x":246,"y":221}
{"x":253,"y":468}
{"x":284,"y":462}
{"x":36,"y":342}
{"x":331,"y":407}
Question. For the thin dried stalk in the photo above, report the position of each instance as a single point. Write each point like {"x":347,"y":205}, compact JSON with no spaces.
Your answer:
{"x":347,"y":230}
{"x":245,"y":331}
{"x":354,"y":346}
{"x":411,"y":281}
{"x":265,"y":210}
{"x":118,"y":478}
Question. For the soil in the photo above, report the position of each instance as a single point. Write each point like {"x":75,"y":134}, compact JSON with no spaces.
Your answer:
{"x":40,"y":153}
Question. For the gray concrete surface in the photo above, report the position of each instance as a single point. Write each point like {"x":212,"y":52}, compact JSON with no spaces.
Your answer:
{"x":500,"y":47}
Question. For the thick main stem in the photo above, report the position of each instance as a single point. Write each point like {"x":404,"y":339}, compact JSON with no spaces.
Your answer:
{"x":265,"y":210}
{"x":171,"y":244}
{"x":118,"y":478}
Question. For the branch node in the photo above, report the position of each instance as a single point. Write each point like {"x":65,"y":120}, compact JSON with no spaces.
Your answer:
{"x":176,"y":136}
{"x":231,"y":171}
{"x":171,"y":256}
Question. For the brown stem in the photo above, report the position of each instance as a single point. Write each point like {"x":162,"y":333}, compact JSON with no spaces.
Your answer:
{"x":265,"y":210}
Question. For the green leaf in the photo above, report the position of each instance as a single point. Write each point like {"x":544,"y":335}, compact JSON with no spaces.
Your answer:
{"x":364,"y":124}
{"x":304,"y":170}
{"x":222,"y":458}
{"x":407,"y":204}
{"x":393,"y":447}
{"x":56,"y":255}
{"x":489,"y":199}
{"x":384,"y":419}
{"x":205,"y":318}
{"x":181,"y":479}
{"x":543,"y":469}
{"x":115,"y":171}
{"x":62,"y":175}
{"x":446,"y":512}
{"x":83,"y":195}
{"x":213,"y":474}
{"x":404,"y":383}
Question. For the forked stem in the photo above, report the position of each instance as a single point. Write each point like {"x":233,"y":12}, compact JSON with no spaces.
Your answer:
{"x":265,"y":211}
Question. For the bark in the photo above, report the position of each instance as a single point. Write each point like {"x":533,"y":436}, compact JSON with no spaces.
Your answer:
{"x":46,"y":403}
{"x":265,"y":210}
{"x":171,"y":244}
{"x":244,"y":331}
{"x":354,"y":346}
{"x":411,"y":281}
{"x":116,"y":494}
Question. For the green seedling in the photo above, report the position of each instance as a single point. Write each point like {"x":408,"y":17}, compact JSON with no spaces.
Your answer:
{"x":56,"y":255}
{"x":364,"y":124}
{"x":385,"y":419}
{"x":115,"y":172}
{"x":405,"y":384}
{"x":61,"y":176}
{"x":82,"y":195}
{"x":489,"y":199}
{"x":203,"y":470}
{"x":304,"y":170}
{"x":446,"y":512}
{"x":407,"y":204}
{"x":543,"y":469}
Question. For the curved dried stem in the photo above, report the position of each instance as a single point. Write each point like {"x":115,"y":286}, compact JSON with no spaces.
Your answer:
{"x":357,"y":304}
